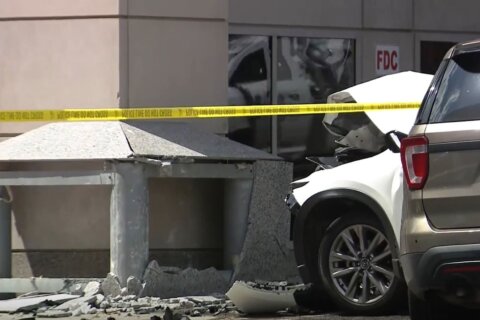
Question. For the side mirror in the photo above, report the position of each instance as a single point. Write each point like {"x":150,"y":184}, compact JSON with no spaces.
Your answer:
{"x":392,"y":140}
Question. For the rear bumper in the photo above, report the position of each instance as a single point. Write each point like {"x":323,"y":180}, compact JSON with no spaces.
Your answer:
{"x":452,"y":272}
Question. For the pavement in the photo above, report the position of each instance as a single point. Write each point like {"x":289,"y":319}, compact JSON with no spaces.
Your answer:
{"x":123,"y":316}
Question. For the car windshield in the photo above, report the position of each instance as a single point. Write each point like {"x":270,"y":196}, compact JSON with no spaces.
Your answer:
{"x":458,"y":97}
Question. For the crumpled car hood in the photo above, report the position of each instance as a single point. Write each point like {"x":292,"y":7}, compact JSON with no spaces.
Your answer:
{"x":400,"y":87}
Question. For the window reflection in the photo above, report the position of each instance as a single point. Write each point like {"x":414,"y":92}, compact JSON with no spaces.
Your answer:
{"x":249,"y":82}
{"x":310,"y":69}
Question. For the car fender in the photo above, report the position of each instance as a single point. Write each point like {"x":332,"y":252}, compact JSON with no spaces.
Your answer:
{"x":381,"y":193}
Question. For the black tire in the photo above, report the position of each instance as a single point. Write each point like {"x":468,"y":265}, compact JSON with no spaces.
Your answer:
{"x":384,"y":290}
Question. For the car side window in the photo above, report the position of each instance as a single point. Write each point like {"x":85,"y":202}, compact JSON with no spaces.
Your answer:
{"x":458,"y":96}
{"x":429,"y":99}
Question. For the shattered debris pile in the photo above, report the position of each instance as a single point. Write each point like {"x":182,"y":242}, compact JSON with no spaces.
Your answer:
{"x":94,"y":301}
{"x":170,"y":292}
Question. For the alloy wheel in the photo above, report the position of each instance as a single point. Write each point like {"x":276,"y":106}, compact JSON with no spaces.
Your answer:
{"x":360,"y":264}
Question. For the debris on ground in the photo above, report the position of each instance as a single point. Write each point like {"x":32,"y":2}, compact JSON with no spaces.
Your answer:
{"x":170,"y":282}
{"x":29,"y":303}
{"x":263,"y":297}
{"x":95,"y":301}
{"x":108,"y":297}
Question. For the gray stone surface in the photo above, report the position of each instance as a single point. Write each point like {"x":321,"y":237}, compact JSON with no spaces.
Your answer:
{"x":111,"y":286}
{"x":76,"y":303}
{"x":134,"y":286}
{"x":67,"y":141}
{"x":92,"y":289}
{"x":54,"y":314}
{"x":265,"y":254}
{"x":178,"y":140}
{"x":118,"y":140}
{"x":159,"y":283}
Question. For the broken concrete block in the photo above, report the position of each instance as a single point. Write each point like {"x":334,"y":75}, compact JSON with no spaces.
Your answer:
{"x":196,"y":313}
{"x":137,"y":305}
{"x":30,"y":303}
{"x":99,"y":299}
{"x":76,"y":303}
{"x":76,"y":288}
{"x":111,"y":286}
{"x":92,"y":288}
{"x":187,"y":304}
{"x":54,"y":314}
{"x":129,"y":298}
{"x":265,"y":254}
{"x":124,"y":292}
{"x":203,"y":300}
{"x":105,"y":304}
{"x":145,"y":310}
{"x":83,"y":309}
{"x":123,"y":305}
{"x":134,"y":286}
{"x":174,"y":283}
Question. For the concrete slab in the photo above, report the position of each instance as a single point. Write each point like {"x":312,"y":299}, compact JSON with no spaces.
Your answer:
{"x":46,"y":285}
{"x":118,"y":140}
{"x":159,"y":282}
{"x":169,"y":140}
{"x":30,"y":303}
{"x":68,"y":141}
{"x":265,"y":254}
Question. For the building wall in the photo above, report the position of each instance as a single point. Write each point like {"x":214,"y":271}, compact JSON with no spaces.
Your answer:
{"x":54,"y":55}
{"x":402,"y":23}
{"x":307,"y":13}
{"x":174,"y":53}
{"x":112,"y":53}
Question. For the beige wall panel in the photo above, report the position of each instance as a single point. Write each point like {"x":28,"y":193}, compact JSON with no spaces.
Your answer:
{"x":447,"y":15}
{"x":178,"y":62}
{"x":338,"y":13}
{"x":58,"y":64}
{"x":387,"y":14}
{"x":186,"y":213}
{"x":55,"y":218}
{"x":403,"y":40}
{"x":60,"y":217}
{"x":57,"y":8}
{"x":205,"y":9}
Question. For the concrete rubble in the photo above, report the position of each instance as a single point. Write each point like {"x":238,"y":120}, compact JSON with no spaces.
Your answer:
{"x":168,"y":292}
{"x":170,"y":282}
{"x":107,"y":297}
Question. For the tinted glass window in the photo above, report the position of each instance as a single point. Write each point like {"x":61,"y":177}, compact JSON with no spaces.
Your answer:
{"x":308,"y":70}
{"x":249,"y":83}
{"x":458,"y":97}
{"x":431,"y":54}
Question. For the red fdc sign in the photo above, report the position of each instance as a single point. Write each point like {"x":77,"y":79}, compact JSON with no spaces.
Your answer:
{"x":387,"y":59}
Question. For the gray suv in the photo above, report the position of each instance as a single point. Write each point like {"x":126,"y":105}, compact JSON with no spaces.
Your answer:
{"x":440,"y":237}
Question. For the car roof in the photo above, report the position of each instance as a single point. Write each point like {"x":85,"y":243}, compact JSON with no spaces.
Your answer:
{"x":463,"y":47}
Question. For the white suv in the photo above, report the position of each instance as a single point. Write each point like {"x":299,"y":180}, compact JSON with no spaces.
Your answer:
{"x":346,"y":218}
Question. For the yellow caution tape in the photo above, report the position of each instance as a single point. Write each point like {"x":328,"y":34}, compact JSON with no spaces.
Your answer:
{"x":194,"y":112}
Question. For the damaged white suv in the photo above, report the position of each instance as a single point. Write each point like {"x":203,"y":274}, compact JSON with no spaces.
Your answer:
{"x":346,"y":215}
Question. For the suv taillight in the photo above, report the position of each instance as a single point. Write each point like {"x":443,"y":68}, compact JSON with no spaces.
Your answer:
{"x":414,"y":154}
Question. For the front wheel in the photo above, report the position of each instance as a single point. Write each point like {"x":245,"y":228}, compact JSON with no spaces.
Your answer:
{"x":355,"y":266}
